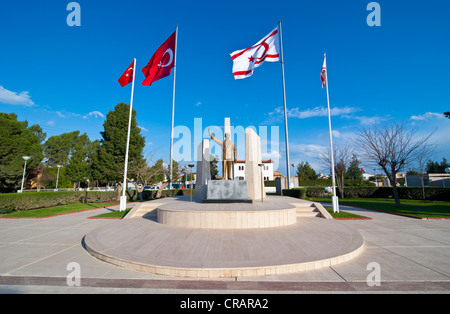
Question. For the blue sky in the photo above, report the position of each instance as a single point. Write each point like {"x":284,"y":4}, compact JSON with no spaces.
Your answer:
{"x":65,"y":78}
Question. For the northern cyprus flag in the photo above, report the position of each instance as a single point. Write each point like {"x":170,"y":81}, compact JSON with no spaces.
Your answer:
{"x":245,"y":60}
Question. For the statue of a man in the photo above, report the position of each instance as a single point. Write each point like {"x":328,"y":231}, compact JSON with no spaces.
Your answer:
{"x":229,"y":155}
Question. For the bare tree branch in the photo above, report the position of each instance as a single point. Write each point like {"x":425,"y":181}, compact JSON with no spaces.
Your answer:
{"x":390,"y":146}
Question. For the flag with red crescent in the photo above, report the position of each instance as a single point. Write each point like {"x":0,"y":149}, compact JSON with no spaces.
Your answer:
{"x":245,"y":60}
{"x":127,"y":76}
{"x":161,"y":63}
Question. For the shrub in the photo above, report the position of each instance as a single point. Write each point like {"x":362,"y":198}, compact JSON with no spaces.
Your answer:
{"x":415,"y":193}
{"x":298,"y":192}
{"x":10,"y":202}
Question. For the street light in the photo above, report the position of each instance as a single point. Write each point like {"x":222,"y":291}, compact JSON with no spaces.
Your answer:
{"x":57,"y":177}
{"x":293,"y":166}
{"x":190,"y":166}
{"x":262,"y":181}
{"x":24,"y":168}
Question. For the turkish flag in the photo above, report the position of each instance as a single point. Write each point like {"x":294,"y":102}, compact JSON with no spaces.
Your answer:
{"x":127,"y":76}
{"x":161,"y":63}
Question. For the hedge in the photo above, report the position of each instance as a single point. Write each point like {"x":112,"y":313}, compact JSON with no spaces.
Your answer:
{"x":10,"y":202}
{"x":305,"y":192}
{"x":416,"y":193}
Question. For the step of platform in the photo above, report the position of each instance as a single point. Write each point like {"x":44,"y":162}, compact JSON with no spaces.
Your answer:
{"x":306,"y":210}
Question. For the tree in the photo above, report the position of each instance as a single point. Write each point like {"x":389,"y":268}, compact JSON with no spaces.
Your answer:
{"x":306,"y":172}
{"x":109,"y":159}
{"x":435,"y":167}
{"x":354,"y":169}
{"x":58,"y":148}
{"x":390,"y":146}
{"x":17,"y":140}
{"x":213,"y":167}
{"x":157,"y":171}
{"x":342,"y":160}
{"x":423,"y":154}
{"x":77,"y":169}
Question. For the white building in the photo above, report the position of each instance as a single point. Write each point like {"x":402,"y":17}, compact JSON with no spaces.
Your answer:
{"x":239,"y":170}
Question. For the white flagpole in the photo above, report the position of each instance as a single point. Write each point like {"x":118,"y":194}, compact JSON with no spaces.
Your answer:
{"x":173,"y":108}
{"x":334,"y":198}
{"x":285,"y":112}
{"x":123,"y":198}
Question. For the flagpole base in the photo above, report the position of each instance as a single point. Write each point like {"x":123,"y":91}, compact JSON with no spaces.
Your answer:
{"x":335,"y":204}
{"x":123,"y":203}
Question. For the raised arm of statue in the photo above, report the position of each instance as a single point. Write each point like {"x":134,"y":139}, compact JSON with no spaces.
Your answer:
{"x":214,"y":138}
{"x":235,"y":153}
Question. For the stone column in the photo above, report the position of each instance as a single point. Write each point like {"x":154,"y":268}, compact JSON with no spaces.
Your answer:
{"x":253,"y":176}
{"x":203,"y":170}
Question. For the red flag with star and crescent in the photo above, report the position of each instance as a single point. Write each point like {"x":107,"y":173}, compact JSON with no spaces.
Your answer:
{"x":161,"y":63}
{"x":127,"y":76}
{"x":245,"y":60}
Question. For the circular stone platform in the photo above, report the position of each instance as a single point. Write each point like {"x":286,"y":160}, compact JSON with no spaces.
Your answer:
{"x":266,"y":214}
{"x":141,"y":243}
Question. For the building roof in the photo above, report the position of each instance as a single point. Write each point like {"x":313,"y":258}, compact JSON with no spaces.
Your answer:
{"x":268,"y":161}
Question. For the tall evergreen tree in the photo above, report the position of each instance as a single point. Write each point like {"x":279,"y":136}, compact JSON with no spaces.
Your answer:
{"x":17,"y":140}
{"x":58,"y":148}
{"x":77,"y":169}
{"x":109,"y":159}
{"x":306,"y":172}
{"x":354,"y":169}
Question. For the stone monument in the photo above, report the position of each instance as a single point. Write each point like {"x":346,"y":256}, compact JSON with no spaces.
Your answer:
{"x":203,"y":170}
{"x":229,"y":153}
{"x":228,"y":190}
{"x":253,"y":175}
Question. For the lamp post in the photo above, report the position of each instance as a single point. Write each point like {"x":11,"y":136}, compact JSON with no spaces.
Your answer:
{"x":293,"y":166}
{"x":262,"y":181}
{"x":57,"y":177}
{"x":190,"y":166}
{"x":24,"y":169}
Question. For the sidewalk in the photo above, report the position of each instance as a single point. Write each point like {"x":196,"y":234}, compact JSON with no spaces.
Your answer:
{"x":413,"y":256}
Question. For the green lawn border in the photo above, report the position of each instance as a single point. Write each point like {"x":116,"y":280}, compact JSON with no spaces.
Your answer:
{"x":406,"y":208}
{"x":61,"y":210}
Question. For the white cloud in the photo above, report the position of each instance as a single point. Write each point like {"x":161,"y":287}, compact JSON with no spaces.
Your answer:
{"x":336,"y":133}
{"x":142,"y":128}
{"x":320,"y":112}
{"x":428,"y":116}
{"x":14,"y":98}
{"x":60,"y":114}
{"x":308,"y":150}
{"x":364,"y":120}
{"x":278,"y":113}
{"x":96,"y":114}
{"x":274,"y":155}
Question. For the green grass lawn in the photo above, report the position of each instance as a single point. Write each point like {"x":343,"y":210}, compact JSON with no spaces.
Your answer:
{"x":114,"y":214}
{"x":415,"y":208}
{"x":343,"y":214}
{"x":58,"y":210}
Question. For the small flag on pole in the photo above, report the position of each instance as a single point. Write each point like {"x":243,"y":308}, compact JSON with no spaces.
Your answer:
{"x":245,"y":60}
{"x":161,"y":63}
{"x":127,"y":76}
{"x":323,"y":74}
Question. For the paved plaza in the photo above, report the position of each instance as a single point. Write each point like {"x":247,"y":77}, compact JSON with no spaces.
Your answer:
{"x":412,"y":255}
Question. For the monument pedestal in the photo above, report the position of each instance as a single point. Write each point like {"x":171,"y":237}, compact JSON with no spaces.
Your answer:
{"x":226,"y":191}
